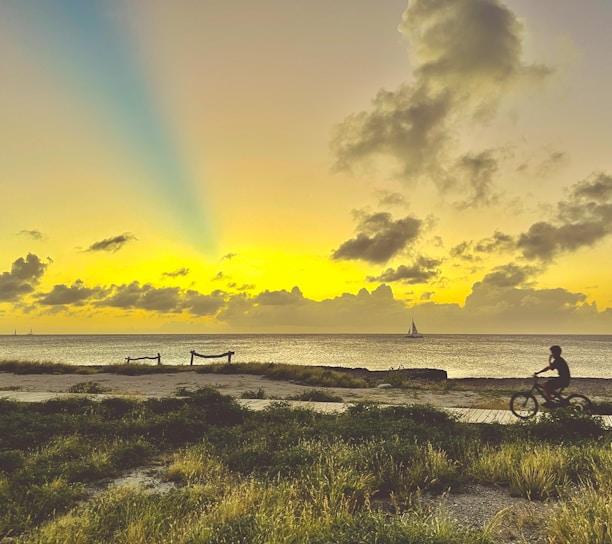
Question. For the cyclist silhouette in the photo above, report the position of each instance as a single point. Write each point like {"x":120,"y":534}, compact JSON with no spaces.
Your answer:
{"x":558,"y":363}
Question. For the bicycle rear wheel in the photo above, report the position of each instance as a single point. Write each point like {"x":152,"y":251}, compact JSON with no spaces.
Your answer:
{"x":523,"y":405}
{"x":580,"y":403}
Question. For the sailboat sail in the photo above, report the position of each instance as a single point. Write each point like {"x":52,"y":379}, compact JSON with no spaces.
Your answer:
{"x":414,"y":333}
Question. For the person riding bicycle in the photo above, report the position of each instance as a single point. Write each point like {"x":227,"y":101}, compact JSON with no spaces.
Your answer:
{"x":558,"y":363}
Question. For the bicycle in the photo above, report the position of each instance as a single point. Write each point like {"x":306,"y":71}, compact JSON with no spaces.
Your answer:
{"x":524,"y":404}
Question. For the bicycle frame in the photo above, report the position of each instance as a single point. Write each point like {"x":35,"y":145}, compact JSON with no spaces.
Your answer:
{"x":556,"y":394}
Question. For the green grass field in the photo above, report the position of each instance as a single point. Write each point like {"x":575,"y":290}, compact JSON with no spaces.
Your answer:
{"x":285,"y":475}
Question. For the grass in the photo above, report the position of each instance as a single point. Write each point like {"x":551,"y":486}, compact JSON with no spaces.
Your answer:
{"x":314,"y":376}
{"x":306,"y":375}
{"x":284,"y":475}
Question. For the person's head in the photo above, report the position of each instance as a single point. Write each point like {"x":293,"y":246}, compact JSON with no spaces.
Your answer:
{"x":556,"y":350}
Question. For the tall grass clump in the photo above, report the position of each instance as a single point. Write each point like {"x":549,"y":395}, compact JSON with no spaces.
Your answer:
{"x":533,"y":471}
{"x":585,"y":518}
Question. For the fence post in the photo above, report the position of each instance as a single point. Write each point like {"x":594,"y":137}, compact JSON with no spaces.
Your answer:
{"x":191,"y":362}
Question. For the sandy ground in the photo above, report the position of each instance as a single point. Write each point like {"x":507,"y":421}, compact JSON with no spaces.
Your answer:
{"x":467,"y":393}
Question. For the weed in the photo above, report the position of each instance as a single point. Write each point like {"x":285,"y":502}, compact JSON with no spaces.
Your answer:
{"x":88,"y":387}
{"x":250,"y":394}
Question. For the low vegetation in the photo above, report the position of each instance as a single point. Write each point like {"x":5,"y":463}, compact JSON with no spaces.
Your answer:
{"x":308,"y":375}
{"x":285,"y":475}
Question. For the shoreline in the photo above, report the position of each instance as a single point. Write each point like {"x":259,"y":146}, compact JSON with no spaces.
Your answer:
{"x":461,"y":392}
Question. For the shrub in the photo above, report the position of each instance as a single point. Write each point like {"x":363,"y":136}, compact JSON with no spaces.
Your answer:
{"x":88,"y":387}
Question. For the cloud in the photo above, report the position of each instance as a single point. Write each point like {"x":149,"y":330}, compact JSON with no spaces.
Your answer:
{"x":34,"y":234}
{"x":509,"y":275}
{"x":464,"y":252}
{"x":472,"y":46}
{"x":392,"y":199}
{"x":112,"y":244}
{"x":544,"y":167}
{"x":229,"y":256}
{"x":145,"y":297}
{"x":22,"y":279}
{"x":163,"y":300}
{"x":582,"y":220}
{"x":408,"y":125}
{"x":498,"y":242}
{"x":421,"y":271}
{"x":181,"y":272}
{"x":76,"y":295}
{"x":379,"y":238}
{"x":204,"y":305}
{"x":476,"y":172}
{"x":466,"y":55}
{"x":375,"y":311}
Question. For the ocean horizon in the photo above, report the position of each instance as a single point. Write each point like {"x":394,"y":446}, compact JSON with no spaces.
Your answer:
{"x":460,"y":355}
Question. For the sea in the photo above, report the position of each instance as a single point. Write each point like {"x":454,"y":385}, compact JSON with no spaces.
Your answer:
{"x":460,"y":355}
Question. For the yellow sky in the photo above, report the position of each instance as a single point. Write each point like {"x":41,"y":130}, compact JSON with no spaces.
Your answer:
{"x":305,"y":166}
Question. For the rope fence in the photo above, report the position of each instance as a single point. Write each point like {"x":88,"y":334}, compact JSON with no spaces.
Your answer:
{"x":157,"y":358}
{"x":227,"y":354}
{"x":194,"y":354}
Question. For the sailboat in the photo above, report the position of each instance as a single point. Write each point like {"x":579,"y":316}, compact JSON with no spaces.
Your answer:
{"x":414,"y":333}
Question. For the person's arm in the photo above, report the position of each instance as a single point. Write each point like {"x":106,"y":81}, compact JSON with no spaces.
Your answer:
{"x":543,"y":370}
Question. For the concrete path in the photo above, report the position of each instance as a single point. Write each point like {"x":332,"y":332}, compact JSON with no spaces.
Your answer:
{"x":468,"y":415}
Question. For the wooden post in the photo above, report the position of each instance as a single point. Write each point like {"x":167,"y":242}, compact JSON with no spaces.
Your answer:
{"x":158,"y":358}
{"x":191,"y":363}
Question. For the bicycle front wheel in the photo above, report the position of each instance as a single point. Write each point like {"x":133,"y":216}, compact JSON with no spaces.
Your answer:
{"x":580,"y":403}
{"x":524,"y":405}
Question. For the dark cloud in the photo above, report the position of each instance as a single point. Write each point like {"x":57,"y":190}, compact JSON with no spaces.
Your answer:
{"x":229,"y":256}
{"x":181,"y":272}
{"x":476,"y":172}
{"x":144,"y":297}
{"x":408,"y":125}
{"x":582,"y":220}
{"x":379,"y":238}
{"x":204,"y":305}
{"x":497,"y":243}
{"x":464,"y":251}
{"x":466,"y":54}
{"x":421,"y":271}
{"x":22,"y":279}
{"x":473,"y":46}
{"x":279,"y":298}
{"x":243,"y":287}
{"x":34,"y":234}
{"x":509,"y":275}
{"x":76,"y":295}
{"x":112,"y":244}
{"x":164,"y":300}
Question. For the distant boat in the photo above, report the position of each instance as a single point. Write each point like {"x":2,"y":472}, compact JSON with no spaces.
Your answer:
{"x":414,"y":333}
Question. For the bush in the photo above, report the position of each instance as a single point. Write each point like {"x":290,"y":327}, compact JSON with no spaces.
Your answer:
{"x":88,"y":387}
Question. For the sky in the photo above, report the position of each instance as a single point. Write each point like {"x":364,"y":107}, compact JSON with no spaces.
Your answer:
{"x":305,"y":166}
